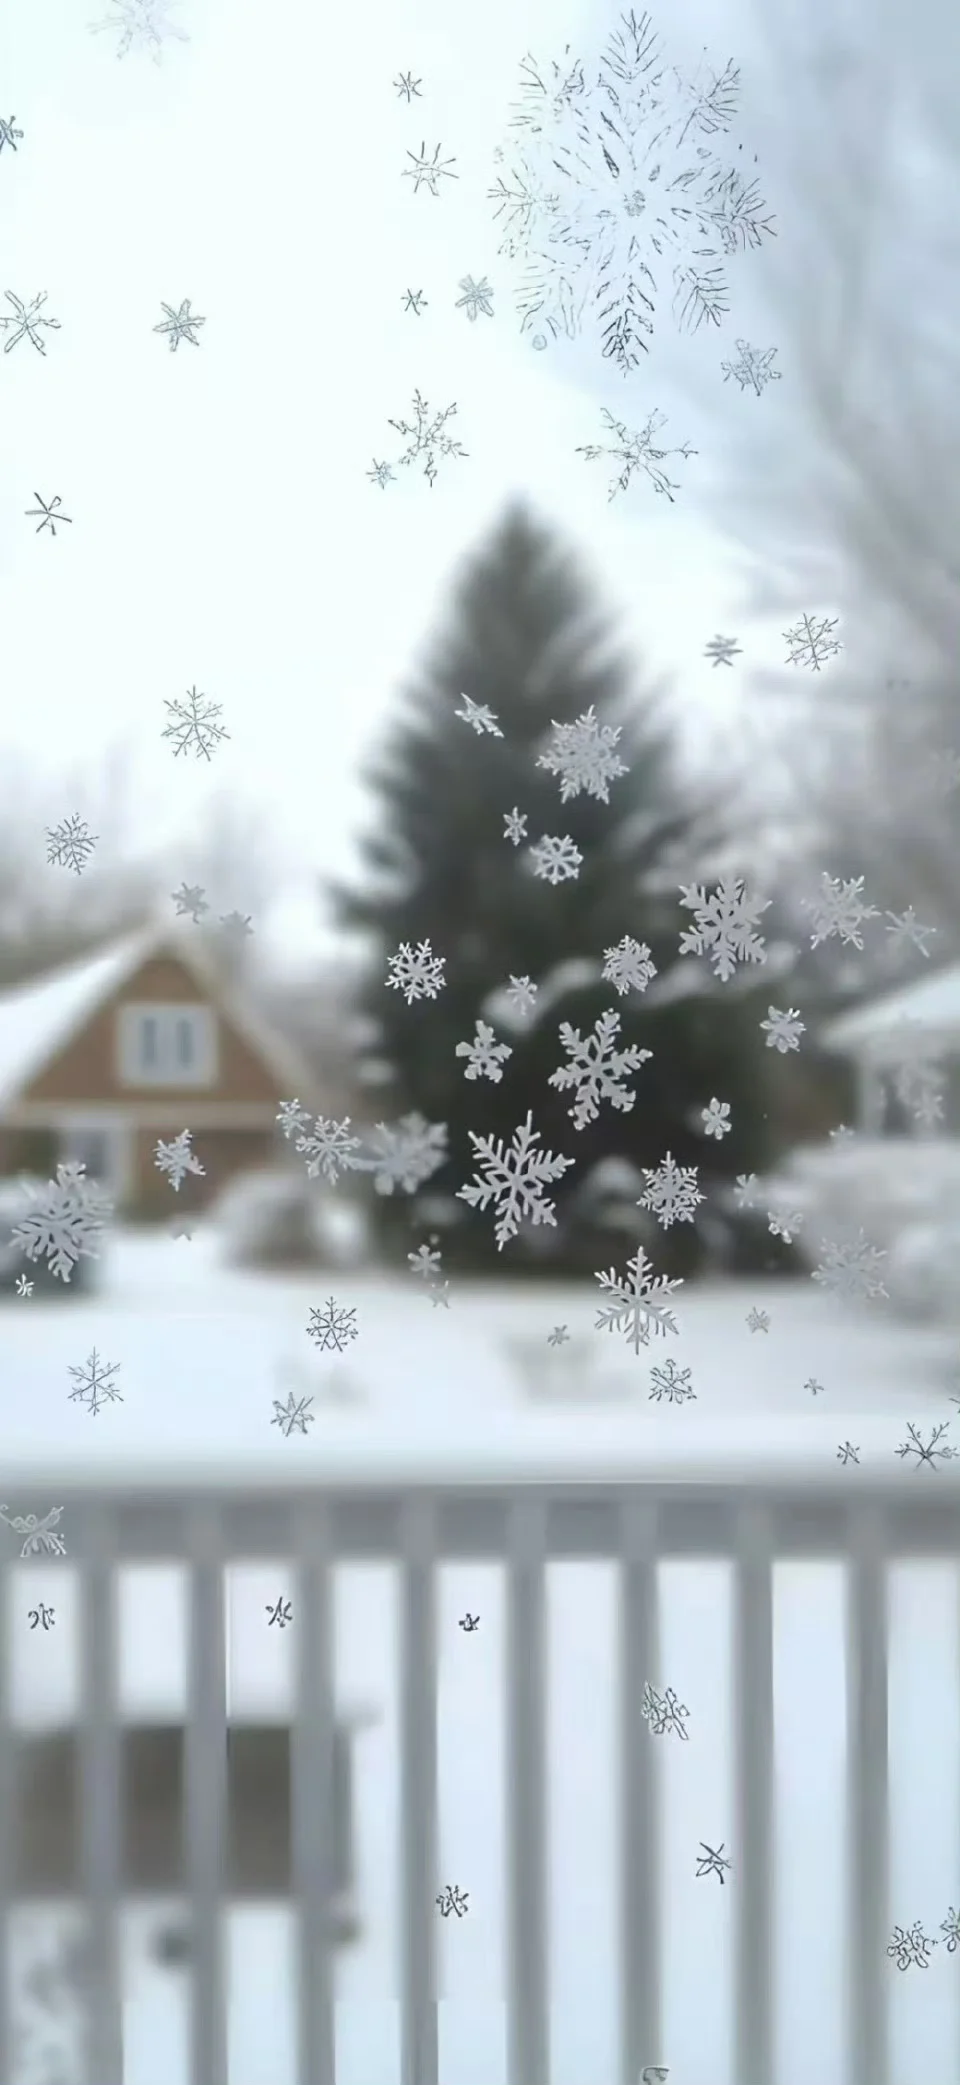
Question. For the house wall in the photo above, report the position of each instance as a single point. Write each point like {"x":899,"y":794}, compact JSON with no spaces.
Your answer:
{"x":86,"y":1069}
{"x":222,"y":1152}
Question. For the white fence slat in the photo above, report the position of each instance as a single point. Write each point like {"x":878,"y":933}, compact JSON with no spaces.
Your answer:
{"x":753,"y":1849}
{"x":312,"y":1816}
{"x":100,"y":1793}
{"x":8,"y":1794}
{"x":528,"y":2060}
{"x":418,"y":1793}
{"x":640,"y":1837}
{"x":867,"y":1798}
{"x":205,"y":1793}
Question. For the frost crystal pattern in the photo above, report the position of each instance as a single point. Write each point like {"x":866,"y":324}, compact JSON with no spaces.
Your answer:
{"x":811,"y":641}
{"x":426,"y":439}
{"x":177,"y":1160}
{"x":515,"y":1177}
{"x":620,"y":194}
{"x":636,"y":450}
{"x":725,"y":925}
{"x":94,"y":1383}
{"x":636,"y":1305}
{"x":329,"y":1147}
{"x":486,"y":1056}
{"x":143,"y":25}
{"x":839,"y":911}
{"x":629,"y":967}
{"x":555,"y":859}
{"x":671,"y":1193}
{"x":850,"y":1267}
{"x":193,"y":722}
{"x":597,"y":1069}
{"x":71,"y":843}
{"x":753,"y":367}
{"x":405,"y":1153}
{"x":417,"y":973}
{"x":584,"y":755}
{"x":65,"y":1222}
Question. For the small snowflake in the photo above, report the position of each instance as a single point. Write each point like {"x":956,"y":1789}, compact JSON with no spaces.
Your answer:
{"x":842,"y":1135}
{"x":937,"y":1449}
{"x":418,"y":973}
{"x":664,"y":1712}
{"x":294,"y":1415}
{"x":584,"y":755}
{"x":839,"y":910}
{"x":479,"y":717}
{"x":190,"y":901}
{"x":671,"y":1382}
{"x":177,"y":1160}
{"x":143,"y":24}
{"x":381,"y":474}
{"x":636,"y":450}
{"x":784,"y":1223}
{"x":179,"y":325}
{"x":71,"y":843}
{"x":713,"y":1862}
{"x":637,"y":1303}
{"x":237,"y":927}
{"x":815,"y":1388}
{"x":950,"y":1928}
{"x":415,"y":301}
{"x":64,"y":1222}
{"x":910,"y":1949}
{"x":9,"y":134}
{"x":722,"y":650}
{"x":847,"y":1452}
{"x":514,"y":1180}
{"x":515,"y":826}
{"x":426,"y":440}
{"x":745,"y":1190}
{"x":716,"y":1119}
{"x":629,"y":966}
{"x":850,"y":1268}
{"x":405,"y":1154}
{"x":94,"y":1381}
{"x":753,"y":367}
{"x":26,"y":322}
{"x":811,"y":641}
{"x":23,"y":1286}
{"x":758,"y":1320}
{"x":486,"y":1055}
{"x":521,"y":995}
{"x":477,"y":297}
{"x":425,"y":173}
{"x":783,"y":1030}
{"x":407,"y":86}
{"x":425,"y":1263}
{"x":725,"y":924}
{"x":671,"y":1192}
{"x":51,"y":517}
{"x":597,"y":1069}
{"x":904,"y":931}
{"x":193,"y":722}
{"x":558,"y":1337}
{"x":556,"y":860}
{"x":333,"y":1326}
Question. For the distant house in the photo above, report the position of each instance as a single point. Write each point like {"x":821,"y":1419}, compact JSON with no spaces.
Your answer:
{"x":106,"y":1055}
{"x":921,"y":1020}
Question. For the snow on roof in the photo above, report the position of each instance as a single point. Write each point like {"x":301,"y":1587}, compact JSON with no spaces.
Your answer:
{"x":932,"y":1007}
{"x":36,"y":1017}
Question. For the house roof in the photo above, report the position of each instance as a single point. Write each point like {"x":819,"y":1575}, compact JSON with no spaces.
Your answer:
{"x":931,"y":1007}
{"x":40,"y":1017}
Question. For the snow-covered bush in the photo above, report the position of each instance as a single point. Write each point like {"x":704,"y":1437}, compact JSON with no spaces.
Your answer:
{"x":921,"y":1273}
{"x":884,"y":1185}
{"x":278,"y":1217}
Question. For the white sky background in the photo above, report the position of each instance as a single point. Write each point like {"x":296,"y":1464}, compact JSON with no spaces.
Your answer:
{"x":224,"y":531}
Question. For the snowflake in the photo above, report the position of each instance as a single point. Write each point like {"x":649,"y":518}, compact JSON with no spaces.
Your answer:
{"x":754,"y":366}
{"x":26,"y":322}
{"x":848,"y":1453}
{"x":635,"y":450}
{"x":671,"y":1192}
{"x":628,"y":966}
{"x":64,"y":1222}
{"x":559,"y":1337}
{"x":905,"y":931}
{"x":177,"y":1160}
{"x":189,"y":899}
{"x":9,"y":134}
{"x":919,"y":1086}
{"x":950,"y":1928}
{"x":515,"y":826}
{"x":143,"y":24}
{"x":194,"y":722}
{"x":425,"y":438}
{"x":70,"y":843}
{"x":425,"y":1263}
{"x":910,"y":1949}
{"x":814,"y":1386}
{"x":477,"y":297}
{"x":671,"y":1382}
{"x":713,"y":1862}
{"x":725,"y":925}
{"x":839,"y":910}
{"x":40,"y":1541}
{"x":931,"y":1452}
{"x":23,"y":1286}
{"x":236,"y":927}
{"x":636,"y":1304}
{"x":415,"y":301}
{"x":597,"y":1069}
{"x":584,"y":755}
{"x":425,"y":173}
{"x":556,"y":860}
{"x":333,"y":1326}
{"x":406,"y":85}
{"x":842,"y":1135}
{"x":617,"y":196}
{"x":521,"y":995}
{"x":810,"y":642}
{"x":745,"y":1190}
{"x":294,"y":1415}
{"x":381,"y":474}
{"x":783,"y":1030}
{"x":514,"y":1180}
{"x":329,"y":1148}
{"x":723,"y":650}
{"x":784,"y":1224}
{"x":406,"y":1153}
{"x":479,"y":716}
{"x":716,"y":1119}
{"x":663,"y":1712}
{"x":49,"y":511}
{"x":486,"y":1055}
{"x":179,"y":325}
{"x":850,"y":1268}
{"x":758,"y":1320}
{"x":418,"y":973}
{"x":94,"y":1381}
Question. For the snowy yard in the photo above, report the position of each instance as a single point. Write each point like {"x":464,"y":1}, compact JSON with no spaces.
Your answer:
{"x":202,"y":1354}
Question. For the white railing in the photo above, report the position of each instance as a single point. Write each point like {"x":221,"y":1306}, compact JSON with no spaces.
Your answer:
{"x":524,"y":1528}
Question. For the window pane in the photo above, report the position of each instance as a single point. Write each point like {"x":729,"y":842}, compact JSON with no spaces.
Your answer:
{"x":148,"y":1040}
{"x":185,"y":1041}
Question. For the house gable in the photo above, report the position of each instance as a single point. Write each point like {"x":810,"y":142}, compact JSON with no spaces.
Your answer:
{"x":86,"y":1069}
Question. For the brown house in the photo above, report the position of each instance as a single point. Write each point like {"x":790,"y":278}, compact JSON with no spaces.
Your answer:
{"x":102,"y":1058}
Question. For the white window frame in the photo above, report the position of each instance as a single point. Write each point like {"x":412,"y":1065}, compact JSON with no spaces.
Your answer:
{"x":118,"y":1173}
{"x":168,"y":1071}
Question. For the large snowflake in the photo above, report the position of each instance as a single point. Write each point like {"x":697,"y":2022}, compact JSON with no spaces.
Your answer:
{"x":850,"y":1267}
{"x":620,"y":192}
{"x":636,"y":1306}
{"x":143,"y":24}
{"x":671,"y":1193}
{"x":584,"y":755}
{"x":64,"y":1221}
{"x":725,"y":924}
{"x":405,"y":1153}
{"x":597,"y":1069}
{"x":515,"y":1177}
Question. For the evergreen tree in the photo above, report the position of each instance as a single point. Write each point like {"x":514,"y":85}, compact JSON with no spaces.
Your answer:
{"x":526,"y":638}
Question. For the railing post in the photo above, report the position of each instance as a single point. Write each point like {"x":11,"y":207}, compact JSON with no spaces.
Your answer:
{"x":205,"y":1793}
{"x":100,"y":1792}
{"x":8,"y":1771}
{"x":753,"y":1851}
{"x":640,"y":1878}
{"x":868,"y":1827}
{"x":527,"y":2019}
{"x":418,"y":1793}
{"x":312,"y":1814}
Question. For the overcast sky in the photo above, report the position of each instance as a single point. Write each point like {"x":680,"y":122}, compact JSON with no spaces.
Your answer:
{"x":224,"y":533}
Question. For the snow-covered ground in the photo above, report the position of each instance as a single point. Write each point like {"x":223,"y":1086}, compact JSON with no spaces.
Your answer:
{"x":202,"y":1355}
